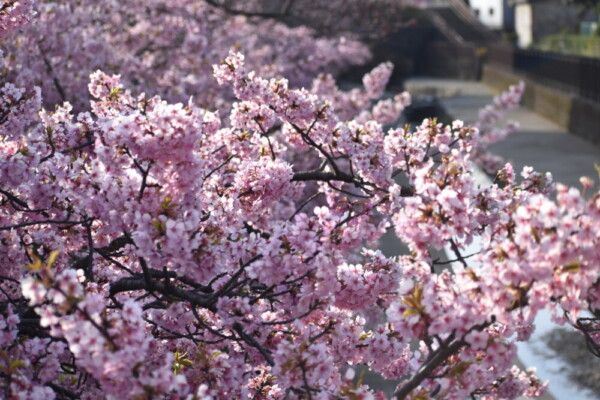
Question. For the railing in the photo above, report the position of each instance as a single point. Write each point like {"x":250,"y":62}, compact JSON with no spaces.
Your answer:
{"x":576,"y":74}
{"x":464,"y":16}
{"x":444,"y":27}
{"x":468,"y":15}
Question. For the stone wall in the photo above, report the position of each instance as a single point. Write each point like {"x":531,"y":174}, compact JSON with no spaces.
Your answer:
{"x":536,"y":19}
{"x":551,"y":17}
{"x":574,"y":113}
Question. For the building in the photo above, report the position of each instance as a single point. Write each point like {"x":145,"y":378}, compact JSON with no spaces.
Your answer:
{"x":495,"y":14}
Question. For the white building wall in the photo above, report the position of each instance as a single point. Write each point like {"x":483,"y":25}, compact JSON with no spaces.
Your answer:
{"x":489,"y":12}
{"x":524,"y":24}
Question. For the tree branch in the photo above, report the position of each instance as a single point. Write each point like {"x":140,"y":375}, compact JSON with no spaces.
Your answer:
{"x":426,"y":369}
{"x":233,"y":11}
{"x":252,"y":342}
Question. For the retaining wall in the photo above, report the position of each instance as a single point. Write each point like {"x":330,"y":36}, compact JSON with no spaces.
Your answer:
{"x":576,"y":114}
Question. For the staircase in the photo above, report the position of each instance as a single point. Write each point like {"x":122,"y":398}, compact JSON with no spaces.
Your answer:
{"x":455,"y":20}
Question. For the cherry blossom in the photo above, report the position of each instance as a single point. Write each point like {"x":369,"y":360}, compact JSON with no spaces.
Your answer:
{"x":222,"y":246}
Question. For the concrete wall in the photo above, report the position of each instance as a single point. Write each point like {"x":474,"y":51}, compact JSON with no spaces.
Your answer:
{"x":443,"y":59}
{"x":576,"y":114}
{"x":421,"y":51}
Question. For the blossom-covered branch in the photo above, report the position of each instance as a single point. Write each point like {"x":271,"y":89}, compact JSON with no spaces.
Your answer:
{"x":154,"y":249}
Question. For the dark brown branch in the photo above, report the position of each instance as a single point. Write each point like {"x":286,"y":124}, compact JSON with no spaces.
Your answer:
{"x":115,"y":245}
{"x":289,"y":320}
{"x":426,"y":369}
{"x":22,"y":206}
{"x":309,"y":389}
{"x":231,"y":283}
{"x":308,"y":140}
{"x":348,"y":193}
{"x":218,"y":167}
{"x":79,"y":147}
{"x":9,"y":279}
{"x":326,"y":330}
{"x":315,"y":175}
{"x":89,"y":267}
{"x":42,"y":222}
{"x":233,"y":11}
{"x":200,"y":320}
{"x":304,"y":203}
{"x":457,"y":252}
{"x":14,"y":199}
{"x":55,"y":80}
{"x":437,"y":358}
{"x":83,"y":311}
{"x":589,"y":327}
{"x":143,"y":171}
{"x":108,"y":258}
{"x":251,"y":229}
{"x":7,"y":111}
{"x":65,"y":393}
{"x":437,"y":262}
{"x":141,"y":283}
{"x":146,"y":274}
{"x":144,"y":184}
{"x":52,"y":147}
{"x":265,"y":134}
{"x":351,"y":216}
{"x":252,"y":342}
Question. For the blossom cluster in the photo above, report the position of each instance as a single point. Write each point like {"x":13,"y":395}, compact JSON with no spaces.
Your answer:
{"x":14,"y":14}
{"x":152,"y":249}
{"x":159,"y":48}
{"x":489,"y":117}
